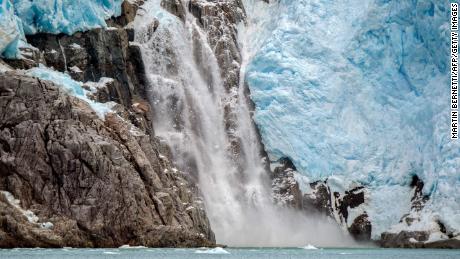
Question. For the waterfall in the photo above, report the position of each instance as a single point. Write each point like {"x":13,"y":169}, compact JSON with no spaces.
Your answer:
{"x":188,"y":97}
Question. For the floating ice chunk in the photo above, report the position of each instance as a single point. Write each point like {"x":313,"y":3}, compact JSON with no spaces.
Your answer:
{"x":131,"y":247}
{"x":217,"y":250}
{"x":309,"y":247}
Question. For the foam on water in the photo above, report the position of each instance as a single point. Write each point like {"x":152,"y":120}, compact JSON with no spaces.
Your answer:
{"x":217,"y":250}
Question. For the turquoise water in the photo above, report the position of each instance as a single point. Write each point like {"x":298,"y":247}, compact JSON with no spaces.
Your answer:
{"x":249,"y":253}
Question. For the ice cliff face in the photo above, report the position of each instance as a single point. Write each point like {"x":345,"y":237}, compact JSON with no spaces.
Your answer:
{"x":64,"y":16}
{"x":358,"y":92}
{"x":19,"y":17}
{"x":10,"y":30}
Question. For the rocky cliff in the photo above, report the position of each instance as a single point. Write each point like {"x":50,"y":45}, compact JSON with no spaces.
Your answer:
{"x":348,"y":209}
{"x":71,"y":178}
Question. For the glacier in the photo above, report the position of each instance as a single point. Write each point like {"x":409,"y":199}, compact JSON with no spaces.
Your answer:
{"x":24,"y":17}
{"x":11,"y":33}
{"x":65,"y":16}
{"x":358,"y":92}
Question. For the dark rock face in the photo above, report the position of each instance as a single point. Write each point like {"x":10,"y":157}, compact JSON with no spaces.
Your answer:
{"x":403,"y":239}
{"x":361,"y":228}
{"x":415,"y":239}
{"x":219,"y":20}
{"x":321,"y":200}
{"x":419,"y":239}
{"x":90,"y":182}
{"x":100,"y":183}
{"x":351,"y":199}
{"x":418,"y":200}
{"x":175,"y":7}
{"x":128,"y":13}
{"x":94,"y":54}
{"x":285,"y":188}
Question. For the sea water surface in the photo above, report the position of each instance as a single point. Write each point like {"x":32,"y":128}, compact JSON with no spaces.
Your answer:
{"x":229,"y":253}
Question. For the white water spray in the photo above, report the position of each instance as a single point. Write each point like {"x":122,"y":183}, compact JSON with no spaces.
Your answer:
{"x":189,"y":99}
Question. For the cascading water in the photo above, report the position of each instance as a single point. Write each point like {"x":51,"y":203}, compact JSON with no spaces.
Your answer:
{"x":189,"y":99}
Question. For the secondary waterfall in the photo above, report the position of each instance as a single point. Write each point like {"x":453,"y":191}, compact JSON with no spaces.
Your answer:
{"x":189,"y":98}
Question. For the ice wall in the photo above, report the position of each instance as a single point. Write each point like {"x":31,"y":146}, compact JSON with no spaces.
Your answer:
{"x":10,"y":30}
{"x":65,"y":16}
{"x":358,"y":90}
{"x":19,"y":17}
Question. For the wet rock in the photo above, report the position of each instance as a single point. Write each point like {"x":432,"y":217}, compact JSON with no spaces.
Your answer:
{"x":418,"y":199}
{"x":401,"y":234}
{"x":175,"y":7}
{"x":31,"y":57}
{"x":100,"y":183}
{"x":319,"y":199}
{"x":352,"y":199}
{"x":128,"y":13}
{"x":361,"y":228}
{"x":91,"y":55}
{"x":285,"y":188}
{"x":404,"y":239}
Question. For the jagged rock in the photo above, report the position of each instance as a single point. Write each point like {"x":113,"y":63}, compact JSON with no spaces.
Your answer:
{"x":219,"y":19}
{"x":352,"y":199}
{"x":175,"y":7}
{"x":100,"y":183}
{"x":128,"y":13}
{"x":418,"y":199}
{"x":361,"y":228}
{"x":415,"y":239}
{"x":100,"y":92}
{"x":401,"y":234}
{"x":97,"y":53}
{"x":404,"y":239}
{"x":285,"y":188}
{"x":31,"y":57}
{"x":320,"y":200}
{"x":92,"y":55}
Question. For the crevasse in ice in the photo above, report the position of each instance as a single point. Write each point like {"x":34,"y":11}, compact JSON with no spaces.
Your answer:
{"x":359,"y":90}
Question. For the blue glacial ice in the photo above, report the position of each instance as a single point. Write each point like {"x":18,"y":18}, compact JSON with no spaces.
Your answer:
{"x":19,"y":17}
{"x":358,"y":90}
{"x":65,"y":16}
{"x":11,"y":34}
{"x":72,"y":87}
